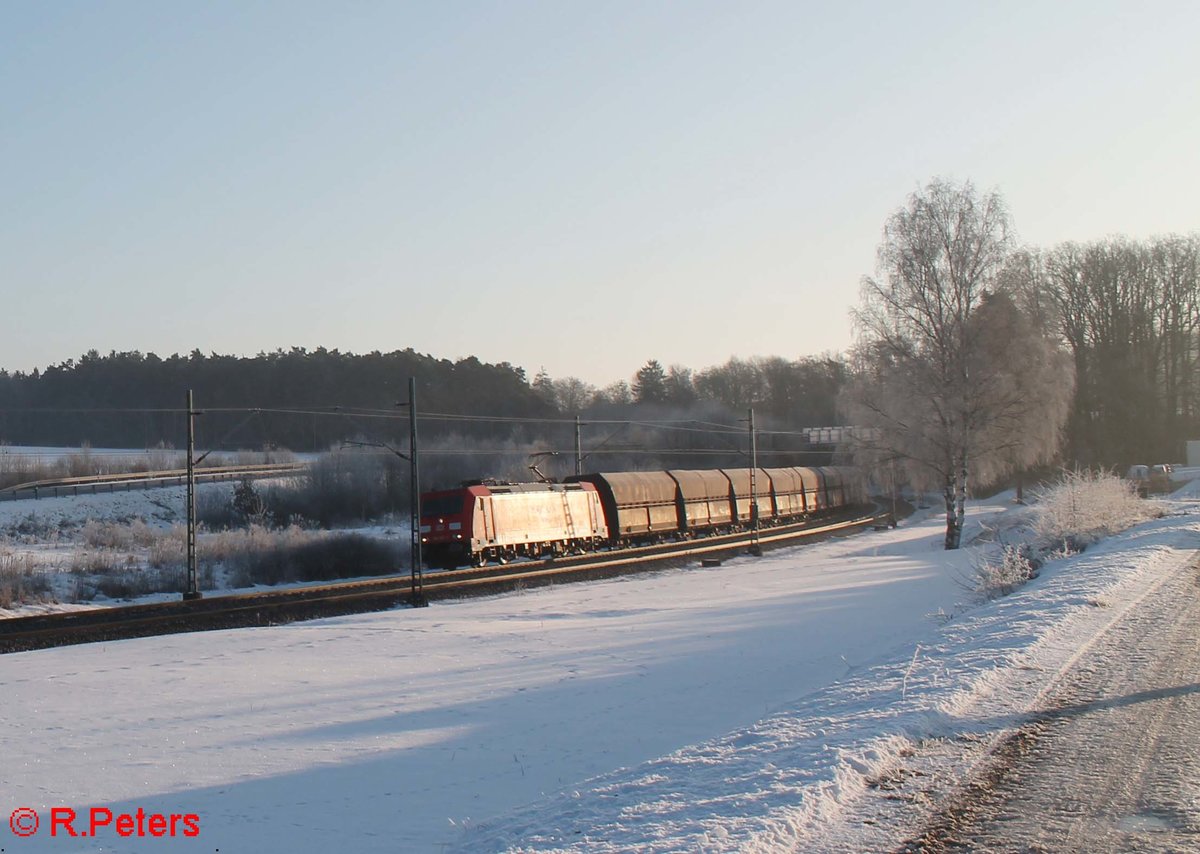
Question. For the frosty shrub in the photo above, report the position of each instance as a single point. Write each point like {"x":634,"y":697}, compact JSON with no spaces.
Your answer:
{"x":248,"y":504}
{"x":228,"y":547}
{"x":298,"y":555}
{"x":100,"y":535}
{"x":1001,"y":575}
{"x":1067,"y":517}
{"x":214,"y":509}
{"x":144,"y":535}
{"x":169,"y":548}
{"x":162,"y":458}
{"x":337,"y":489}
{"x":147,"y":560}
{"x":261,"y":555}
{"x":129,"y":581}
{"x":20,"y":581}
{"x":267,"y":455}
{"x":124,"y":561}
{"x":100,"y":561}
{"x":81,"y":464}
{"x":126,"y":581}
{"x":125,"y":542}
{"x":1084,"y":507}
{"x":17,"y":468}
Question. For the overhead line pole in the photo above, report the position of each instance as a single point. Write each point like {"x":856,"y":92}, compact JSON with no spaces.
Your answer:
{"x":416,"y":572}
{"x":755,"y":545}
{"x":417,"y":596}
{"x":192,"y":588}
{"x":578,"y":450}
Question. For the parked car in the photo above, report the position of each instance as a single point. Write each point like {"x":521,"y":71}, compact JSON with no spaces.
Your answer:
{"x":1160,"y":477}
{"x":1140,"y":476}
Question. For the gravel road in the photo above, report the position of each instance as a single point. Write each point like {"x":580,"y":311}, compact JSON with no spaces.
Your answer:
{"x":1111,"y":763}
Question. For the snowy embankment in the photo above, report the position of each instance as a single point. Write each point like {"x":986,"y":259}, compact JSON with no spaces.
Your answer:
{"x":818,"y":775}
{"x":46,"y":517}
{"x":46,"y":536}
{"x":740,"y":707}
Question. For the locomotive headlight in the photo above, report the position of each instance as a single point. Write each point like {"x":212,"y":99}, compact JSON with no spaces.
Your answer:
{"x":458,"y":536}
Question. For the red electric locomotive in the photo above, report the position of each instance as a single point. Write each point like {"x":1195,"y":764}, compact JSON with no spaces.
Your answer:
{"x":501,"y":521}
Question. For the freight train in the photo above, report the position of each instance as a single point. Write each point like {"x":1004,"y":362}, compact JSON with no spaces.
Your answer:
{"x":487,"y":521}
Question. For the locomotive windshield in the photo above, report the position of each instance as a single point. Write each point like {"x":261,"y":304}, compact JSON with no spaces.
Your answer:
{"x":443,"y":505}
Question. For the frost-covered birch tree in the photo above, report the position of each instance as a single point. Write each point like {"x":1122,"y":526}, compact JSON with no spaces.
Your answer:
{"x":954,"y":380}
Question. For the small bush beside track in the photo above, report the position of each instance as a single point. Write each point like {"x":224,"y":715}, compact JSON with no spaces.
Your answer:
{"x":21,"y":581}
{"x":1068,"y":516}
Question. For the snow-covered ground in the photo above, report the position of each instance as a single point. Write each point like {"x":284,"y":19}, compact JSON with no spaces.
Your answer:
{"x":46,"y":535}
{"x":44,"y":517}
{"x":807,"y":777}
{"x":744,"y":707}
{"x":49,"y":535}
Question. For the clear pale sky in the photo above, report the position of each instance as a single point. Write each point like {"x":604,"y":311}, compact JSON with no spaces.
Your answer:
{"x":579,"y":186}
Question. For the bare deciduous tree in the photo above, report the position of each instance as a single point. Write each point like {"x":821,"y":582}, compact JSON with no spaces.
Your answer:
{"x":616,"y":394}
{"x":1130,"y":313}
{"x":681,"y":390}
{"x":573,"y":394}
{"x":956,"y":381}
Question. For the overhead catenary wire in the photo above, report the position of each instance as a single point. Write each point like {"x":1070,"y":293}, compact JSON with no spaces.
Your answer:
{"x":342,"y":411}
{"x":565,"y":452}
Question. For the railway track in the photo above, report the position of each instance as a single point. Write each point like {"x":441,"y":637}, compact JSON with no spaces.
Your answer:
{"x":312,"y":602}
{"x":102,"y":483}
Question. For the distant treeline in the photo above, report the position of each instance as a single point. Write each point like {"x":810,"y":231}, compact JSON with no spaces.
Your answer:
{"x":131,"y":400}
{"x":135,"y":400}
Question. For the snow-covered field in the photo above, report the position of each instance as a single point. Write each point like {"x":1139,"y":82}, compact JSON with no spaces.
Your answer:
{"x":744,"y":707}
{"x":51,"y":537}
